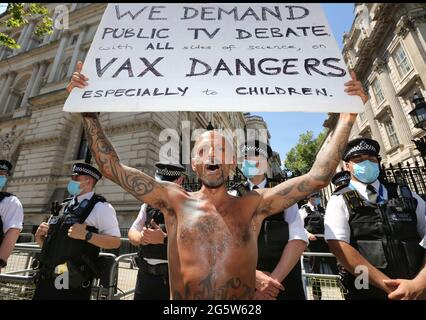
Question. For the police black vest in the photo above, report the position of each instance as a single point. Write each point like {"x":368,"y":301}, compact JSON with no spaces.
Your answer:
{"x":59,"y":247}
{"x":386,"y":235}
{"x":154,"y":251}
{"x":273,"y":237}
{"x":314,"y":221}
{"x":2,"y":196}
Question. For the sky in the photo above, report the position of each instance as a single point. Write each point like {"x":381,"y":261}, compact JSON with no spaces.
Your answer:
{"x":285,"y":127}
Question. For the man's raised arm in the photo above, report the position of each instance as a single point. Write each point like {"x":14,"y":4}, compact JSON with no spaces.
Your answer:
{"x":289,"y":192}
{"x":139,"y":184}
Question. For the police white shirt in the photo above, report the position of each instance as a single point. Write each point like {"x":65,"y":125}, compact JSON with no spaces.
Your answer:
{"x":103,"y":217}
{"x":291,"y":215}
{"x":138,"y":225}
{"x":11,"y":213}
{"x":303,"y":214}
{"x":336,"y":221}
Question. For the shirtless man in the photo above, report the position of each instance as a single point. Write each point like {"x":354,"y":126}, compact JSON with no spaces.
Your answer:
{"x":212,"y":246}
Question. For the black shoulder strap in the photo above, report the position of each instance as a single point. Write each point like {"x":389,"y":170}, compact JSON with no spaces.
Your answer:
{"x":353,"y":200}
{"x":4,"y":195}
{"x":89,"y":207}
{"x":392,"y":189}
{"x":307,"y":209}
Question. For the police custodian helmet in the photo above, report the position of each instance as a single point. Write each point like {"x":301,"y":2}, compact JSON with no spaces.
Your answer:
{"x":5,"y":166}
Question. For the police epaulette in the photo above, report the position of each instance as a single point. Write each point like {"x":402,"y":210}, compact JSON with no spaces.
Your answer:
{"x":100,"y":198}
{"x":5,"y":195}
{"x":353,"y":199}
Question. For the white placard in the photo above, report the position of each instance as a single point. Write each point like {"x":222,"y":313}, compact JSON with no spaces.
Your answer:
{"x":214,"y":57}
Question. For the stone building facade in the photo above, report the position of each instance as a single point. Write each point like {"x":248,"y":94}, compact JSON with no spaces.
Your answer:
{"x":386,"y":47}
{"x":43,"y":142}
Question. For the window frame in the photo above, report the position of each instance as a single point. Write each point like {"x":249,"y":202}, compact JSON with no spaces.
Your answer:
{"x":378,"y":91}
{"x":392,"y":136}
{"x":405,"y":61}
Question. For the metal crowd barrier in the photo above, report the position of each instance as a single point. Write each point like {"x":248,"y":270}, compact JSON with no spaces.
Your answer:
{"x":118,"y":276}
{"x":117,"y":279}
{"x":330,"y":284}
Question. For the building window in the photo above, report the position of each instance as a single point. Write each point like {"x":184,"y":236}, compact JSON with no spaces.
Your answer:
{"x":390,"y":130}
{"x":83,"y":149}
{"x":19,"y":101}
{"x":401,"y":60}
{"x":378,"y":91}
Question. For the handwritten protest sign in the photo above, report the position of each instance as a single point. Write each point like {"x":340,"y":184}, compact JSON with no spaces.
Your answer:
{"x":214,"y":57}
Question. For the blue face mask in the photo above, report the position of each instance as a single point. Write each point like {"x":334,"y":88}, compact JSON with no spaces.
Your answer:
{"x":74,"y":188}
{"x":317,"y":201}
{"x":366,"y":171}
{"x":3,"y":180}
{"x":249,"y":169}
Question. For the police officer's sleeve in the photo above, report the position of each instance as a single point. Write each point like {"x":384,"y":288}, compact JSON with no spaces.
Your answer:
{"x":336,"y":220}
{"x":295,"y":224}
{"x":104,"y":218}
{"x":139,"y":223}
{"x":12,"y":213}
{"x":303,"y":214}
{"x":233,"y":193}
{"x":420,"y":214}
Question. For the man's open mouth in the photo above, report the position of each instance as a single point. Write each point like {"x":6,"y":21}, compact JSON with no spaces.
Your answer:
{"x":212,"y":167}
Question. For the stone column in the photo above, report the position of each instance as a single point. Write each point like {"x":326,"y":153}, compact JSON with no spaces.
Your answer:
{"x":6,"y":90}
{"x":401,"y":125}
{"x":30,"y":85}
{"x":58,"y":58}
{"x":77,"y":50}
{"x":375,"y":131}
{"x":37,"y":82}
{"x":55,"y":33}
{"x":21,"y":36}
{"x":27,"y":37}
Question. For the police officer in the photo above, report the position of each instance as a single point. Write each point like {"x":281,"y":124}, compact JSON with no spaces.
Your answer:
{"x":149,"y":233}
{"x":11,"y":216}
{"x":341,"y":180}
{"x":71,"y":241}
{"x":312,"y":214}
{"x":374,"y":229}
{"x":282,"y":238}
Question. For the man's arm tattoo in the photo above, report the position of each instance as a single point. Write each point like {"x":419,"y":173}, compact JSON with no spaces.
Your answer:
{"x":328,"y":158}
{"x":109,"y":164}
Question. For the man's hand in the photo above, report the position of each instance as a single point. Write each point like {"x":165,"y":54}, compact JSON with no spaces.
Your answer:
{"x":78,"y":79}
{"x":42,"y":231}
{"x":355,"y":88}
{"x":77,"y":231}
{"x":153,"y":235}
{"x":403,"y":289}
{"x":266,"y":285}
{"x":311,"y":237}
